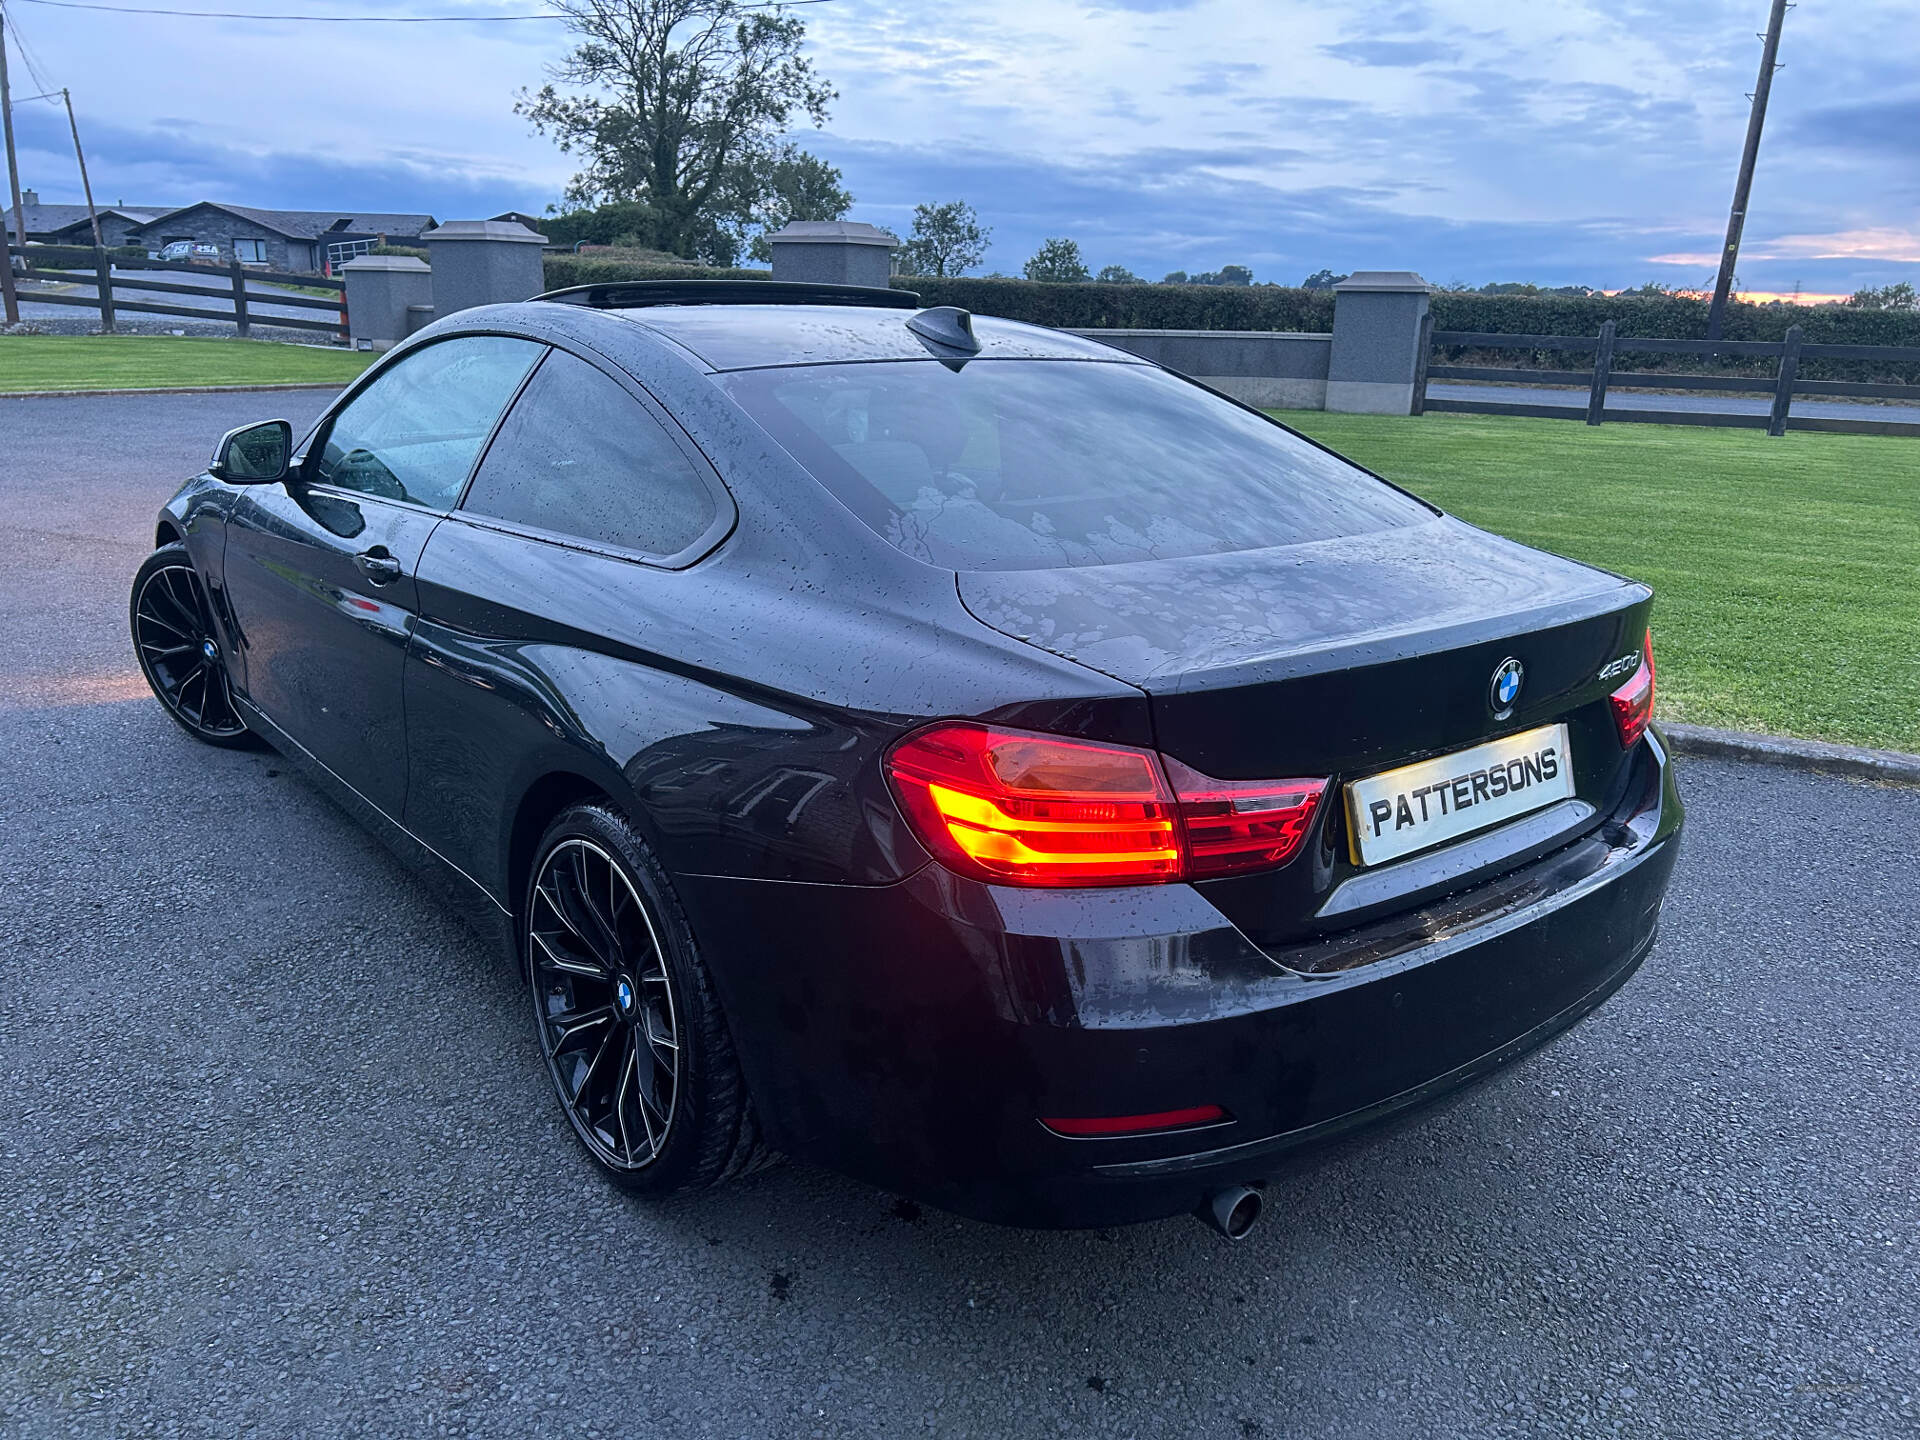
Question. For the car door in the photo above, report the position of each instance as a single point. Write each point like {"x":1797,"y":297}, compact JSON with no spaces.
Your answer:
{"x":538,"y":595}
{"x":320,"y":569}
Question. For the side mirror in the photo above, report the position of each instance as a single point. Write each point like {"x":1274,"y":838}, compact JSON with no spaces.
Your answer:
{"x":254,"y":454}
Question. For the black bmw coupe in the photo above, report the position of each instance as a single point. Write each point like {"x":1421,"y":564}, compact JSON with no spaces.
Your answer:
{"x":949,"y":750}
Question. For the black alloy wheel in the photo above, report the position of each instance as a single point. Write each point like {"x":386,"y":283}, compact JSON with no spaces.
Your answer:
{"x":609,"y":1023}
{"x":179,"y":653}
{"x":633,"y":1036}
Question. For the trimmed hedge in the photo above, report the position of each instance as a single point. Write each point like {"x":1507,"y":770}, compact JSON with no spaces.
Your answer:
{"x":1670,"y":318}
{"x":565,"y":270}
{"x":1132,"y":307}
{"x":76,"y":257}
{"x":1276,"y":307}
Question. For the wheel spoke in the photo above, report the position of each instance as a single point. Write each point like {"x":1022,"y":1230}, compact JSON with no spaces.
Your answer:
{"x":629,"y":1061}
{"x":569,"y":964}
{"x":586,"y":1076}
{"x":221,"y":714}
{"x":665,"y":1049}
{"x":185,"y":617}
{"x":199,"y":672}
{"x":606,"y":939}
{"x":190,"y":602}
{"x":571,"y":1023}
{"x":577,"y":913}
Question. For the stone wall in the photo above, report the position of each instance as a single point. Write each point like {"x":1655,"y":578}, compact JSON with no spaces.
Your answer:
{"x":1276,"y":370}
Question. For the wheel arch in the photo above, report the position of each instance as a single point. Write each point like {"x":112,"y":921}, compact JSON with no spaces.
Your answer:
{"x":167,"y":533}
{"x":540,"y":804}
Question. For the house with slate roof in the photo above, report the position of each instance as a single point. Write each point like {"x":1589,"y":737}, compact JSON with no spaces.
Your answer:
{"x":298,"y":240}
{"x":308,"y":240}
{"x":68,"y":224}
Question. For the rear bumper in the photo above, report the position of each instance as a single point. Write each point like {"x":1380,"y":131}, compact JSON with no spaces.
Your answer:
{"x":913,"y":1035}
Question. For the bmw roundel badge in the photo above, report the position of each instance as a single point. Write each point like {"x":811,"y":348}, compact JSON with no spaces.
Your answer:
{"x":1504,"y":692}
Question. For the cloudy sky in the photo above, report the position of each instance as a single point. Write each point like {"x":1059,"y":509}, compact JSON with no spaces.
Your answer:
{"x":1559,"y":141}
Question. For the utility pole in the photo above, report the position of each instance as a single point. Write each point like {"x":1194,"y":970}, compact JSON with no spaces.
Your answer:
{"x":13,"y":179}
{"x":93,"y":216}
{"x":1756,"y":121}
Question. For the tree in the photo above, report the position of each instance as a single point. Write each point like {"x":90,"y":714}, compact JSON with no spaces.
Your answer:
{"x":620,"y":222}
{"x":1058,"y":262}
{"x":1118,"y":275}
{"x":1321,"y":280}
{"x":798,"y":186}
{"x":1225,"y":275}
{"x":689,"y":128}
{"x":947,"y":240}
{"x":1887,"y":297}
{"x":1174,"y":277}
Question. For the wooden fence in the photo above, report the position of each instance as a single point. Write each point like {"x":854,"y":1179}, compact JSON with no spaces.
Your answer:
{"x":1783,"y":385}
{"x":235,"y":300}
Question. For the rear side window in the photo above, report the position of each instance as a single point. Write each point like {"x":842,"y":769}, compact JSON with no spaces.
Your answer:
{"x":580,"y":457}
{"x":1043,"y":464}
{"x":414,"y":432}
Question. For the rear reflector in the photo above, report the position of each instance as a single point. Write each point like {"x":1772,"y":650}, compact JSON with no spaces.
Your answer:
{"x":1017,"y":808}
{"x":1633,"y":701}
{"x":1138,"y":1124}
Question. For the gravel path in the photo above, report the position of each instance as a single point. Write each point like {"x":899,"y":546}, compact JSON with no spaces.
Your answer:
{"x":278,"y":1155}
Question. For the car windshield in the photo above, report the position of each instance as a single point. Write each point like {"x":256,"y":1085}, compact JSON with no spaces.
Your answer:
{"x":1043,"y":464}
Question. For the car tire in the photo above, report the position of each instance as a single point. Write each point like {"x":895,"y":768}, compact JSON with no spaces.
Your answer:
{"x":651,"y":1089}
{"x":178,"y":650}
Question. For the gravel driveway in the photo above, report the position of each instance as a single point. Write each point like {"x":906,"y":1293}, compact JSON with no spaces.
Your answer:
{"x":278,"y":1156}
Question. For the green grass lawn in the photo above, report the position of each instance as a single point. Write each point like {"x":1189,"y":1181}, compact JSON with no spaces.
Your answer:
{"x":1787,"y":570}
{"x":115,"y":362}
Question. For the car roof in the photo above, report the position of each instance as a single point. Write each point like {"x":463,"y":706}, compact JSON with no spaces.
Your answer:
{"x":745,"y":337}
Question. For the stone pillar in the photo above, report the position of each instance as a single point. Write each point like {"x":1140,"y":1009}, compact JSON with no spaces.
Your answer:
{"x":483,"y":262}
{"x":833,"y":252}
{"x":1376,"y":342}
{"x":381,"y":290}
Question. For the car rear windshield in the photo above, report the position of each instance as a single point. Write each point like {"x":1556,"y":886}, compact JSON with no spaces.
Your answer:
{"x":1043,"y":464}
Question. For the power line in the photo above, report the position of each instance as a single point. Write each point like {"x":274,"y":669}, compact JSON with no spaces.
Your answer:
{"x":26,"y":54}
{"x":351,"y":19}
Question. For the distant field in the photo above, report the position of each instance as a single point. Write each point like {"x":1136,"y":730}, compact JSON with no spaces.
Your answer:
{"x":1787,"y":570}
{"x":114,"y":362}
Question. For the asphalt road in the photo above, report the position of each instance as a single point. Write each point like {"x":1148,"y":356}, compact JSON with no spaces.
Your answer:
{"x":277,"y":1154}
{"x":261,"y":311}
{"x":1710,"y":403}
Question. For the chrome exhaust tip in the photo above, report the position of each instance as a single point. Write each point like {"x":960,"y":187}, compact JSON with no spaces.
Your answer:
{"x":1232,"y":1211}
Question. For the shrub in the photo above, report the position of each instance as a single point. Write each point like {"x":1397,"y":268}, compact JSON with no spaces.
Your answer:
{"x":1098,"y":306}
{"x":1676,"y":318}
{"x":565,"y":270}
{"x":1131,"y":307}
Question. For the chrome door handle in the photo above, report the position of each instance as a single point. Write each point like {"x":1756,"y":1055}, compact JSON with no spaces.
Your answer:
{"x":378,"y":566}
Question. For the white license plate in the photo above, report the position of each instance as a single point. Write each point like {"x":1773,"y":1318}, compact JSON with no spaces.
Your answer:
{"x":1419,"y":806}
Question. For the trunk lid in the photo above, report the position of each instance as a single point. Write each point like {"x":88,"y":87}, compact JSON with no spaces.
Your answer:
{"x":1343,"y":658}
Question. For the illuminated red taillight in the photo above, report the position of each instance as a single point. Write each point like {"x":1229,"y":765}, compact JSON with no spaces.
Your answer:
{"x":1017,"y":808}
{"x":1138,"y":1124}
{"x":1232,"y":826}
{"x":1023,"y":809}
{"x":1633,"y":701}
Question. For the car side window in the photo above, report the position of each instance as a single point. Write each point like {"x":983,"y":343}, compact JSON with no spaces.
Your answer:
{"x":580,"y":457}
{"x":414,"y":432}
